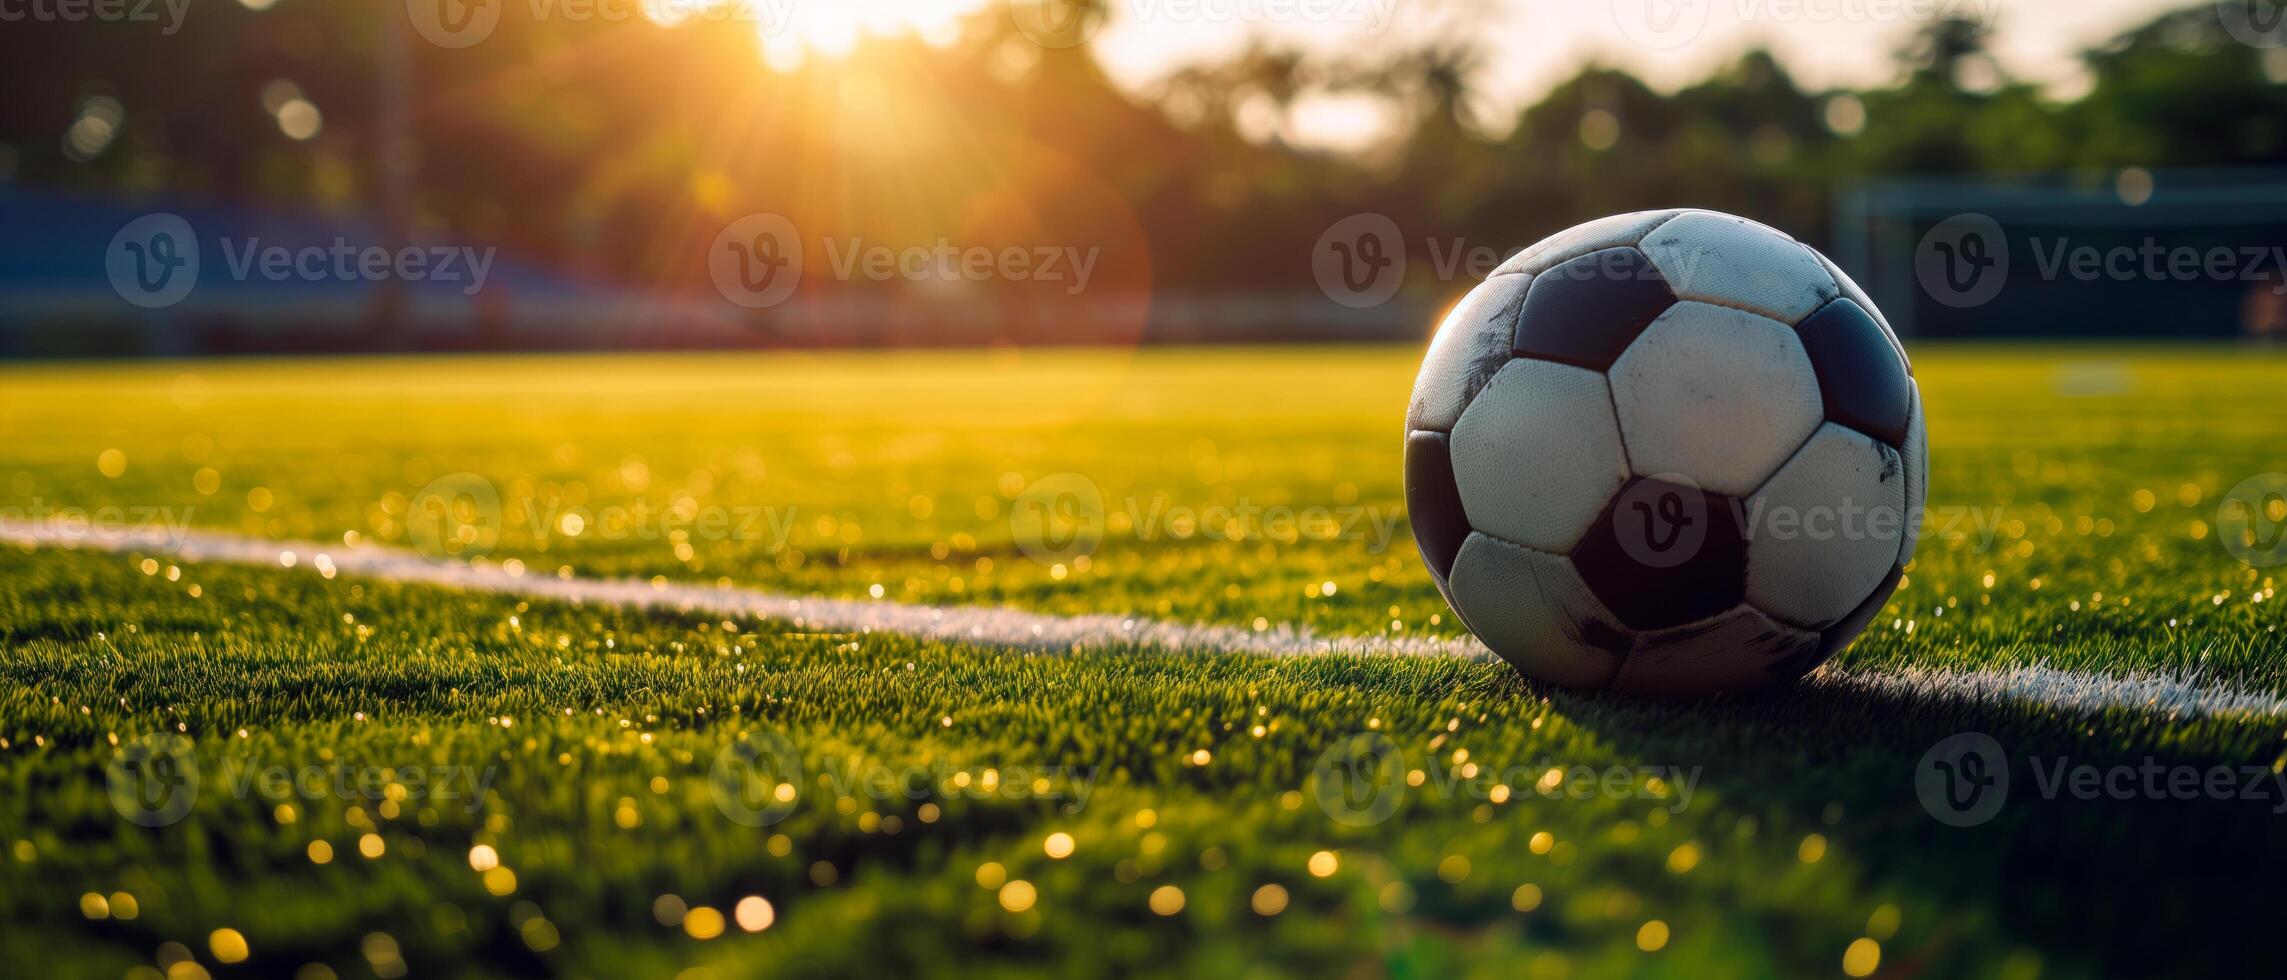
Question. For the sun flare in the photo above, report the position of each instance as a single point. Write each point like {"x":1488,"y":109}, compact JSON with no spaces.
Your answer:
{"x":795,"y":30}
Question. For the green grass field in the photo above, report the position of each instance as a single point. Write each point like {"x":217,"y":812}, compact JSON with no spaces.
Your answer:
{"x":1161,"y":811}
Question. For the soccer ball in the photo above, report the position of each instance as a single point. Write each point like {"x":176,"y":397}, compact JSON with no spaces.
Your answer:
{"x":1671,"y":453}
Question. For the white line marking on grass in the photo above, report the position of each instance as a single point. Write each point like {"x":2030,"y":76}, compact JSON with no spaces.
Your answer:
{"x":2067,"y":690}
{"x":986,"y":625}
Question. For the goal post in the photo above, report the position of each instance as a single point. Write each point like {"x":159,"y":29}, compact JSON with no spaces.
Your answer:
{"x":2191,"y":254}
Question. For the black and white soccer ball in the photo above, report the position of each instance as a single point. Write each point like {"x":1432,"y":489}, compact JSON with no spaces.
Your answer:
{"x":1671,"y":453}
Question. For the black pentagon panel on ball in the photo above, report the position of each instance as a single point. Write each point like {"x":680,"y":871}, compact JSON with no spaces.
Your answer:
{"x":1433,"y":502}
{"x":1587,"y":311}
{"x":1665,"y":554}
{"x":1860,"y":376}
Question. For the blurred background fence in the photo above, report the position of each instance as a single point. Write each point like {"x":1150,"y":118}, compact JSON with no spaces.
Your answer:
{"x":595,"y":164}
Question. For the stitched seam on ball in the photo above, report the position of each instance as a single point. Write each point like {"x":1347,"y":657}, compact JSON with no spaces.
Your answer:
{"x":1619,"y":657}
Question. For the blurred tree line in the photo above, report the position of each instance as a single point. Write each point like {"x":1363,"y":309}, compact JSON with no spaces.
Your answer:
{"x":618,"y":149}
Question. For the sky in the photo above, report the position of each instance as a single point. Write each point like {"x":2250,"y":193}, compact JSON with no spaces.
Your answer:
{"x":1534,"y":44}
